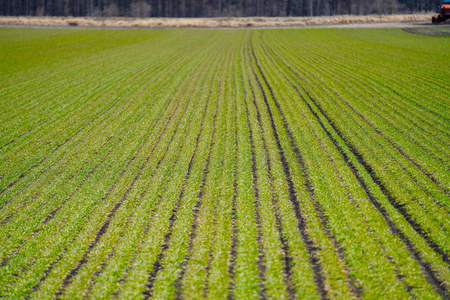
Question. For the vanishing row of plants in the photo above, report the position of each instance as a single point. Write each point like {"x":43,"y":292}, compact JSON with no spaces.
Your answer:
{"x":212,"y":164}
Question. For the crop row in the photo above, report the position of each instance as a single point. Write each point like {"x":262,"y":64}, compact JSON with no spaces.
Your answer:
{"x":224,"y":164}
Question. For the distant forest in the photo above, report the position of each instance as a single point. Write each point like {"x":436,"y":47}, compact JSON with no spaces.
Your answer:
{"x":210,"y":8}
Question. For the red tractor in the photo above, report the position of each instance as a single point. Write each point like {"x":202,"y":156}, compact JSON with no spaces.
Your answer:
{"x":443,"y":13}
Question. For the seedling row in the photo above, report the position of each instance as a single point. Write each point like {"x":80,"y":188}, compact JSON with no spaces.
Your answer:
{"x":238,"y":164}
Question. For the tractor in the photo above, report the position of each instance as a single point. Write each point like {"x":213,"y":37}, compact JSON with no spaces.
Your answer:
{"x":443,"y":13}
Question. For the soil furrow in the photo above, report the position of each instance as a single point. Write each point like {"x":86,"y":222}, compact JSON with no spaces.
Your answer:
{"x":287,"y":259}
{"x":399,"y":276}
{"x":153,"y":211}
{"x":68,"y":278}
{"x":431,"y":276}
{"x":398,"y":148}
{"x":214,"y":234}
{"x":196,"y":209}
{"x":97,"y":273}
{"x":234,"y":229}
{"x":59,"y":173}
{"x":337,"y":66}
{"x":338,"y":248}
{"x":157,"y":265}
{"x":147,"y":226}
{"x":51,"y":179}
{"x":52,"y":214}
{"x":301,"y":224}
{"x":50,"y":268}
{"x":55,"y":211}
{"x":161,"y":90}
{"x":419,"y":105}
{"x":56,"y":149}
{"x":109,"y":138}
{"x":146,"y":229}
{"x":26,"y":132}
{"x":256,"y":203}
{"x":8,"y":217}
{"x":318,"y":207}
{"x":399,"y":207}
{"x":208,"y":272}
{"x":156,"y":168}
{"x":100,"y":89}
{"x":206,"y":281}
{"x":426,"y":133}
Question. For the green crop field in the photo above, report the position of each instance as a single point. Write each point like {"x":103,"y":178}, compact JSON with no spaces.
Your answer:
{"x":190,"y":164}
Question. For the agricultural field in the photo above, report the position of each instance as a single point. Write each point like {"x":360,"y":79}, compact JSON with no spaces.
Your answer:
{"x":240,"y":164}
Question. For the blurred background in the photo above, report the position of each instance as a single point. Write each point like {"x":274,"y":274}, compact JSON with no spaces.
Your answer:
{"x":211,"y":8}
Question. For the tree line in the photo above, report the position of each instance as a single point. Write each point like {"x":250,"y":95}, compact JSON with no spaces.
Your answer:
{"x":211,"y":8}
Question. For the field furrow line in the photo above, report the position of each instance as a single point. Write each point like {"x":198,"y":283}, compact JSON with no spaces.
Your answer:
{"x":422,"y":137}
{"x":440,"y":151}
{"x":366,"y":78}
{"x":287,"y":259}
{"x":157,"y":266}
{"x":435,"y":114}
{"x":318,"y":207}
{"x":256,"y":200}
{"x":56,"y":149}
{"x":53,"y":212}
{"x":25,"y":133}
{"x":196,"y":208}
{"x":142,"y":71}
{"x":111,"y":253}
{"x":147,"y":226}
{"x":401,"y":209}
{"x":158,"y":164}
{"x":153,"y":212}
{"x":414,"y":224}
{"x":112,"y":212}
{"x":56,"y":175}
{"x":399,"y":276}
{"x":50,"y":268}
{"x":96,"y":151}
{"x":9,"y":216}
{"x":331,"y":161}
{"x":78,"y":110}
{"x":234,"y":228}
{"x":146,"y":230}
{"x":139,"y":149}
{"x":432,"y":277}
{"x":398,"y":148}
{"x":199,"y":203}
{"x":301,"y":224}
{"x":57,"y":78}
{"x":395,"y":108}
{"x":414,"y":79}
{"x":50,"y":216}
{"x":142,"y":78}
{"x":129,"y":217}
{"x":424,"y":206}
{"x":94,"y":277}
